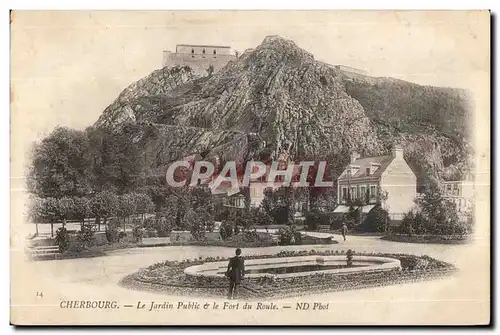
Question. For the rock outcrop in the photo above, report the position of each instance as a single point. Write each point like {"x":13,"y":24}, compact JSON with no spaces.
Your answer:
{"x":277,"y":99}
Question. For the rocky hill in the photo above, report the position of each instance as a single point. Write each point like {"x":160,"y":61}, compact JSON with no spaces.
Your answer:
{"x":277,"y":99}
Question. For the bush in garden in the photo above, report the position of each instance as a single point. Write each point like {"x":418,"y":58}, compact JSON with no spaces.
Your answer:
{"x":62,"y":239}
{"x":336,"y":222}
{"x":260,"y":218}
{"x":149,"y":222}
{"x":376,"y":221}
{"x":164,"y":226}
{"x":298,"y":237}
{"x":206,"y":219}
{"x":286,"y":235}
{"x":313,"y":220}
{"x":195,"y":223}
{"x":406,"y":226}
{"x":85,"y":236}
{"x":122,"y":235}
{"x":138,"y":233}
{"x":226,"y":230}
{"x":112,"y":231}
{"x":283,"y":215}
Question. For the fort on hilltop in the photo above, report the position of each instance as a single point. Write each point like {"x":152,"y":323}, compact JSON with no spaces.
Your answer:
{"x":199,"y":57}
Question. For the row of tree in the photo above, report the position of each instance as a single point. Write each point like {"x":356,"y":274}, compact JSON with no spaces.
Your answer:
{"x":101,"y":205}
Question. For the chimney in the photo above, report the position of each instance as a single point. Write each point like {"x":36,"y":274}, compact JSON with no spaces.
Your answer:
{"x":354,"y":156}
{"x":397,"y":151}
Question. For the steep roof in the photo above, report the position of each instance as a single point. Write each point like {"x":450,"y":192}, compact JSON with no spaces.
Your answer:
{"x":365,"y":162}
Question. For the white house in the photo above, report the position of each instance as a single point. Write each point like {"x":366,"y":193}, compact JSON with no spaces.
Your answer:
{"x":369,"y":178}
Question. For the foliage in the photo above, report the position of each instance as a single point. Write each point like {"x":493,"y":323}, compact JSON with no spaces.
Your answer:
{"x":435,"y":209}
{"x":112,"y":232}
{"x":138,"y":232}
{"x":81,"y":209}
{"x":377,"y":220}
{"x":85,"y":236}
{"x":277,"y":204}
{"x":62,"y":239}
{"x":126,"y":205}
{"x":60,"y":165}
{"x":143,"y":203}
{"x":66,"y":208}
{"x":336,"y":221}
{"x":195,"y":224}
{"x":104,"y":204}
{"x":117,"y":165}
{"x":164,"y":224}
{"x":289,"y":235}
{"x":226,"y":229}
{"x":314,"y":219}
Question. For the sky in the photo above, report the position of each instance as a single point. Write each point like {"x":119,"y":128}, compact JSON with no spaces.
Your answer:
{"x":66,"y":67}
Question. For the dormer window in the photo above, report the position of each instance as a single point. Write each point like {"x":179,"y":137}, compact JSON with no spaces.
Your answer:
{"x":192,"y":52}
{"x":367,"y":171}
{"x":215,"y":52}
{"x":203,"y":51}
{"x":374,"y":167}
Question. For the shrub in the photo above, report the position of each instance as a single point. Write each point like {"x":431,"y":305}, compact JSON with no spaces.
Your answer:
{"x":164,"y":226}
{"x":122,"y":235}
{"x":138,"y":232}
{"x":336,"y":222}
{"x":226,"y":230}
{"x":62,"y":239}
{"x":112,"y":231}
{"x":85,"y":236}
{"x":288,"y":235}
{"x":313,"y":220}
{"x":376,"y":221}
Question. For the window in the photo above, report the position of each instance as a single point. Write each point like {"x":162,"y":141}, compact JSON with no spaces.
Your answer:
{"x":373,"y":191}
{"x":203,"y":51}
{"x":215,"y":52}
{"x":362,"y":192}
{"x":367,"y":171}
{"x":353,"y":193}
{"x":344,"y":193}
{"x":192,"y":51}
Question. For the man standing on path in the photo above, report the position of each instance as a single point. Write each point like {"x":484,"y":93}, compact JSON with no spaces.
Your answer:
{"x":235,"y":272}
{"x":344,"y":230}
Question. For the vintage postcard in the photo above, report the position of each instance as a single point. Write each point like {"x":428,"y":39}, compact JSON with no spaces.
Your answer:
{"x":250,"y":168}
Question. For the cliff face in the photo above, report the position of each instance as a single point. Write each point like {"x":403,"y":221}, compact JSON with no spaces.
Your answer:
{"x":277,"y":99}
{"x":160,"y":81}
{"x":432,"y":123}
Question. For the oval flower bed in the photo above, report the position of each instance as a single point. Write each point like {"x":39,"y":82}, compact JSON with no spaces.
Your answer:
{"x":169,"y":277}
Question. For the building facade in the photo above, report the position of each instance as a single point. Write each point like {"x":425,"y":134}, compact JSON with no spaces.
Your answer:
{"x":460,"y":192}
{"x":199,"y":57}
{"x":387,"y":180}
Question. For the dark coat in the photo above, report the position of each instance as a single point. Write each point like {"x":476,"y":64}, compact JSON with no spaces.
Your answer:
{"x":236,"y":269}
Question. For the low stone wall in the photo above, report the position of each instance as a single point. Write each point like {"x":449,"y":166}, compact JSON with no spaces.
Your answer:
{"x":440,"y":239}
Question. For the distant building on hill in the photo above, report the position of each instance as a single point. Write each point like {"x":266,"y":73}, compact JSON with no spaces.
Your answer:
{"x":199,"y":57}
